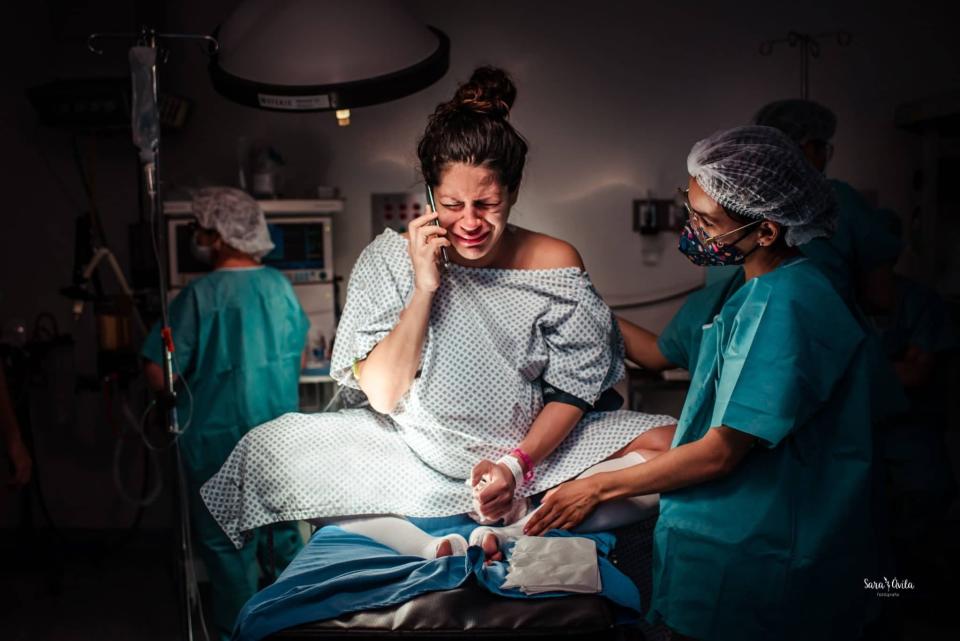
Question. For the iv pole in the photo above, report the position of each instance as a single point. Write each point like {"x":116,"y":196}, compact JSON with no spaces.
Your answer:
{"x":150,"y":163}
{"x":809,"y":48}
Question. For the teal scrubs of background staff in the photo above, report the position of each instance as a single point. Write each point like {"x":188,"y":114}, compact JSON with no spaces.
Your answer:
{"x":918,"y":338}
{"x":239,"y":334}
{"x":859,"y":256}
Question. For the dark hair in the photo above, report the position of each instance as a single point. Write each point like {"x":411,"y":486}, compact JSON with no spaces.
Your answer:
{"x":472,"y":128}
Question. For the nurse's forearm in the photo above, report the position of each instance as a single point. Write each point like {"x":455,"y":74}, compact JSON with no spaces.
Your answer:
{"x":711,"y":457}
{"x":388,"y":371}
{"x":549,"y":429}
{"x":641,"y":346}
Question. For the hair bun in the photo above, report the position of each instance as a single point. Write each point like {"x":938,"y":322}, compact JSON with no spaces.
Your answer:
{"x":489,"y":91}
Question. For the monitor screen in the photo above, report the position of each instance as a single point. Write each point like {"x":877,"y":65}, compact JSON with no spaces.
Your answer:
{"x":298,"y":245}
{"x":303,"y":249}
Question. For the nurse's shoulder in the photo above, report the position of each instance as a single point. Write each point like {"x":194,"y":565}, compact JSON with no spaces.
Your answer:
{"x":799,"y":277}
{"x":271,"y":274}
{"x":801,"y":289}
{"x":702,"y":305}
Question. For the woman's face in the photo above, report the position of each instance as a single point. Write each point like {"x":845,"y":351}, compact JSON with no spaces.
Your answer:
{"x":473,"y":206}
{"x":714,"y":221}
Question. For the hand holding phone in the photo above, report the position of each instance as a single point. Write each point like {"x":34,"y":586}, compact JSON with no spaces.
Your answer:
{"x":433,"y":208}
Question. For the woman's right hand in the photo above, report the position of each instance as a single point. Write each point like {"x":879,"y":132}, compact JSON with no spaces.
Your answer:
{"x":495,"y":497}
{"x":425,"y":239}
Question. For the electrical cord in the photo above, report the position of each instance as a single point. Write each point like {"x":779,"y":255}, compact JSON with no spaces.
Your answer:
{"x":190,"y":570}
{"x":21,"y":400}
{"x":186,"y":388}
{"x":657,"y":301}
{"x":150,"y":460}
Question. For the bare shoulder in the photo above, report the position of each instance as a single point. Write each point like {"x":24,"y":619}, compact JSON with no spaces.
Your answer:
{"x":539,"y":251}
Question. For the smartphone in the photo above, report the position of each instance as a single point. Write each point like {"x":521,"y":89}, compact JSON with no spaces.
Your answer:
{"x":436,"y":221}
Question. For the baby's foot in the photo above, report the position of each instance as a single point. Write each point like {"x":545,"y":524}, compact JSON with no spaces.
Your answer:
{"x":491,"y":548}
{"x":449,"y":545}
{"x":488,"y":540}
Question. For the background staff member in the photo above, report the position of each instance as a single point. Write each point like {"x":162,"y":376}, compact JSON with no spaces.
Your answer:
{"x":239,"y":334}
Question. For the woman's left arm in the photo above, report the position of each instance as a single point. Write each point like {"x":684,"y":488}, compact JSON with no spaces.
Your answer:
{"x":551,"y":426}
{"x":715,"y":455}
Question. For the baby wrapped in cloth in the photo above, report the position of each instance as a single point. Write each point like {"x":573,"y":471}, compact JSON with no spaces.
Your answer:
{"x":500,"y":343}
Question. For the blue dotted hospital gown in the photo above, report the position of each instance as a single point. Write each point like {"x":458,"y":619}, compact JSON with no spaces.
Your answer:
{"x":496,"y":339}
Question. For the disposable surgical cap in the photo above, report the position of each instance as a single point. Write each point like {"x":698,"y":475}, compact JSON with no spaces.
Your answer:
{"x":236,"y":216}
{"x":802,"y":120}
{"x":758,"y":172}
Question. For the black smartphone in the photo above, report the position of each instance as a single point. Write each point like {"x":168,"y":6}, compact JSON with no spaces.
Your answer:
{"x":436,"y":221}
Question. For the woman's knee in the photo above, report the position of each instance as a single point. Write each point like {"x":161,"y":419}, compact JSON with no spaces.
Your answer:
{"x":657,"y":439}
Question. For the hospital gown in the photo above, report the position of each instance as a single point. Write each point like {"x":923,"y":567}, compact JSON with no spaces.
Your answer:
{"x":496,"y":339}
{"x":780,"y":547}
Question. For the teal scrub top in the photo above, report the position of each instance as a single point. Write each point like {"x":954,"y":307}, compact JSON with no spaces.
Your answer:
{"x":861,"y":242}
{"x":778,"y":549}
{"x":680,"y":341}
{"x":920,"y":319}
{"x":238,"y":336}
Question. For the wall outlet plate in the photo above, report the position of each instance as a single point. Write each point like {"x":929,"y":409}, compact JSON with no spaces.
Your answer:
{"x":653,"y":215}
{"x":395,"y":210}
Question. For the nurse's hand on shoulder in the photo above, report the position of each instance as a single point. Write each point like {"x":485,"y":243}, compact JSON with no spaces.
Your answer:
{"x":424,"y":241}
{"x":496,"y":497}
{"x":565,"y":506}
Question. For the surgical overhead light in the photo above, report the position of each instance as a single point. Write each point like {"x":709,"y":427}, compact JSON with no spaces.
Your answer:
{"x":325,"y":55}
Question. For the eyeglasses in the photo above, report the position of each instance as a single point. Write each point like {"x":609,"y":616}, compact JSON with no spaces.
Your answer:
{"x":698,"y":229}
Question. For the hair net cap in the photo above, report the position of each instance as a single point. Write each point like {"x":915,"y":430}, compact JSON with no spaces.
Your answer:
{"x":236,"y":216}
{"x":758,"y":172}
{"x":802,"y":120}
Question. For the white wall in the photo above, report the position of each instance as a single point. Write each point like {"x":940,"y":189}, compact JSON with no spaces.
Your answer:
{"x":611,"y":97}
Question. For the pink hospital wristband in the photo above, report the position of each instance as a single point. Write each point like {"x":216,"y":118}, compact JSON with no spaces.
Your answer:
{"x":527,"y":464}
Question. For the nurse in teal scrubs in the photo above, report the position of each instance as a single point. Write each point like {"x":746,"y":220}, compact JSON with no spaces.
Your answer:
{"x":239,"y":333}
{"x":765,"y":523}
{"x":859,"y":256}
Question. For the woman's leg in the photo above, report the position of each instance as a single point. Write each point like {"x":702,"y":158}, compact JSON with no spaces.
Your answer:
{"x":403,"y":536}
{"x":614,"y":514}
{"x":650,"y":444}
